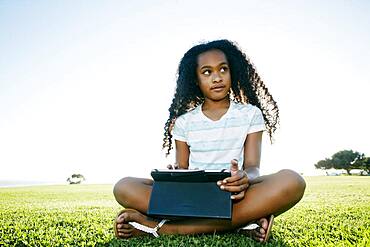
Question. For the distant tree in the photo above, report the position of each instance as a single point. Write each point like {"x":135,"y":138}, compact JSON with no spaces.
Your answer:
{"x":324,"y":164}
{"x":364,"y":164}
{"x":75,"y":179}
{"x":346,"y":160}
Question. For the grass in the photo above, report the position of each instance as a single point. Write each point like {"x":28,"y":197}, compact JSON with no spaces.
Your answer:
{"x":335,"y":211}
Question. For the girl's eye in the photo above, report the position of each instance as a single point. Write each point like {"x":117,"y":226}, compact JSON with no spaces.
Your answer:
{"x":206,"y":72}
{"x":223,"y":69}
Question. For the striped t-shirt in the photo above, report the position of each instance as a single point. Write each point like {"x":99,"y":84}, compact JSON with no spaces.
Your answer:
{"x":213,"y":144}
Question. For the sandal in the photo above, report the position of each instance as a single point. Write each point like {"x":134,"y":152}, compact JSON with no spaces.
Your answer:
{"x":269,"y":227}
{"x":254,"y":226}
{"x":140,"y":227}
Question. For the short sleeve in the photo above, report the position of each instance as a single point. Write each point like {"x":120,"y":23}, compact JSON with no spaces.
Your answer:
{"x":179,"y":132}
{"x":257,"y":122}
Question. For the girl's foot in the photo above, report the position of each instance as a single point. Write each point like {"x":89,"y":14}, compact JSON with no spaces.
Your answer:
{"x":259,"y":234}
{"x":123,"y":228}
{"x":262,"y":232}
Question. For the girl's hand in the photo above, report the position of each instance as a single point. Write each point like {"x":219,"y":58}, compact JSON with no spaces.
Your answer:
{"x":173,"y":167}
{"x":237,"y":183}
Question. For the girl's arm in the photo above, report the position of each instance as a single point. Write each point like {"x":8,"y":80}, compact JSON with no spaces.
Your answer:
{"x":240,"y":180}
{"x":252,"y":155}
{"x":182,"y":154}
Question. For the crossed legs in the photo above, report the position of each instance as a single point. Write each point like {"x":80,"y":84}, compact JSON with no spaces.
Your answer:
{"x":270,"y":194}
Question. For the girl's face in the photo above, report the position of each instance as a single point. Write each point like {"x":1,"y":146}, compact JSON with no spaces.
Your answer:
{"x":213,"y":74}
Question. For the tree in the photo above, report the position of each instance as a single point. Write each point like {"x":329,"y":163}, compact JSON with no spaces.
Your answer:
{"x":324,"y":164}
{"x":364,"y":164}
{"x":346,"y":160}
{"x":75,"y":179}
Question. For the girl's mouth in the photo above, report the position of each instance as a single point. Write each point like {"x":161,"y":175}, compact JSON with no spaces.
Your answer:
{"x":218,"y":88}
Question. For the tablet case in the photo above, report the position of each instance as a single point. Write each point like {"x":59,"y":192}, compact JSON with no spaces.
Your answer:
{"x":189,"y":193}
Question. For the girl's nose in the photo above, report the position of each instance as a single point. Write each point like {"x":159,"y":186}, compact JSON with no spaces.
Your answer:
{"x":216,"y":77}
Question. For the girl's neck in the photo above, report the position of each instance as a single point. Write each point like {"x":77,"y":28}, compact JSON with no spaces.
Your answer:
{"x":210,"y":105}
{"x":215,"y":110}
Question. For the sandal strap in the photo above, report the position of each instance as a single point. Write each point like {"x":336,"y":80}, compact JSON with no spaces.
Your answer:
{"x":250,"y":227}
{"x":149,"y":229}
{"x":157,"y":227}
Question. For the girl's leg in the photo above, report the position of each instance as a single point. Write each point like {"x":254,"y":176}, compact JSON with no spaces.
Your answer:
{"x":133,"y":193}
{"x":271,"y":194}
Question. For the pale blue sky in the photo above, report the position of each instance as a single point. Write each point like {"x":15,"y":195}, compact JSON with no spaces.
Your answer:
{"x":85,"y":85}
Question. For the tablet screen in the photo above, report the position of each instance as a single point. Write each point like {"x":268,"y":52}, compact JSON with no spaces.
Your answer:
{"x":184,"y":175}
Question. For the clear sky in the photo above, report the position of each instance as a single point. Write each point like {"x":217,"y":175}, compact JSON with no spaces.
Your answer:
{"x":85,"y":85}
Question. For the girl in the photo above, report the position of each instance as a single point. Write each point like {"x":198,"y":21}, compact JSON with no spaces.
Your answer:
{"x":218,"y":114}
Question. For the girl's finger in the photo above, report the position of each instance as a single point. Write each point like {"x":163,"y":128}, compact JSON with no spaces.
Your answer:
{"x":239,"y":188}
{"x":238,"y":182}
{"x":174,"y":166}
{"x":239,"y":175}
{"x":234,"y":184}
{"x":238,"y":196}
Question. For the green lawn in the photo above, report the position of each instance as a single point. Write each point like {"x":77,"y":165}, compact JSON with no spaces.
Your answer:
{"x":335,"y":211}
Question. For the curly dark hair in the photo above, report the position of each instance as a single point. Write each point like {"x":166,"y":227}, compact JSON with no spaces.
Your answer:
{"x":246,"y":86}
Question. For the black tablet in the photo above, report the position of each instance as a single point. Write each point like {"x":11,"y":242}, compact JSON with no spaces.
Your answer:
{"x":184,"y":175}
{"x":189,"y":193}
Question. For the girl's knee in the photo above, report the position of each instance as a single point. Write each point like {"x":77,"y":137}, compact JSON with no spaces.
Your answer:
{"x":120,"y":187}
{"x":295,"y":184}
